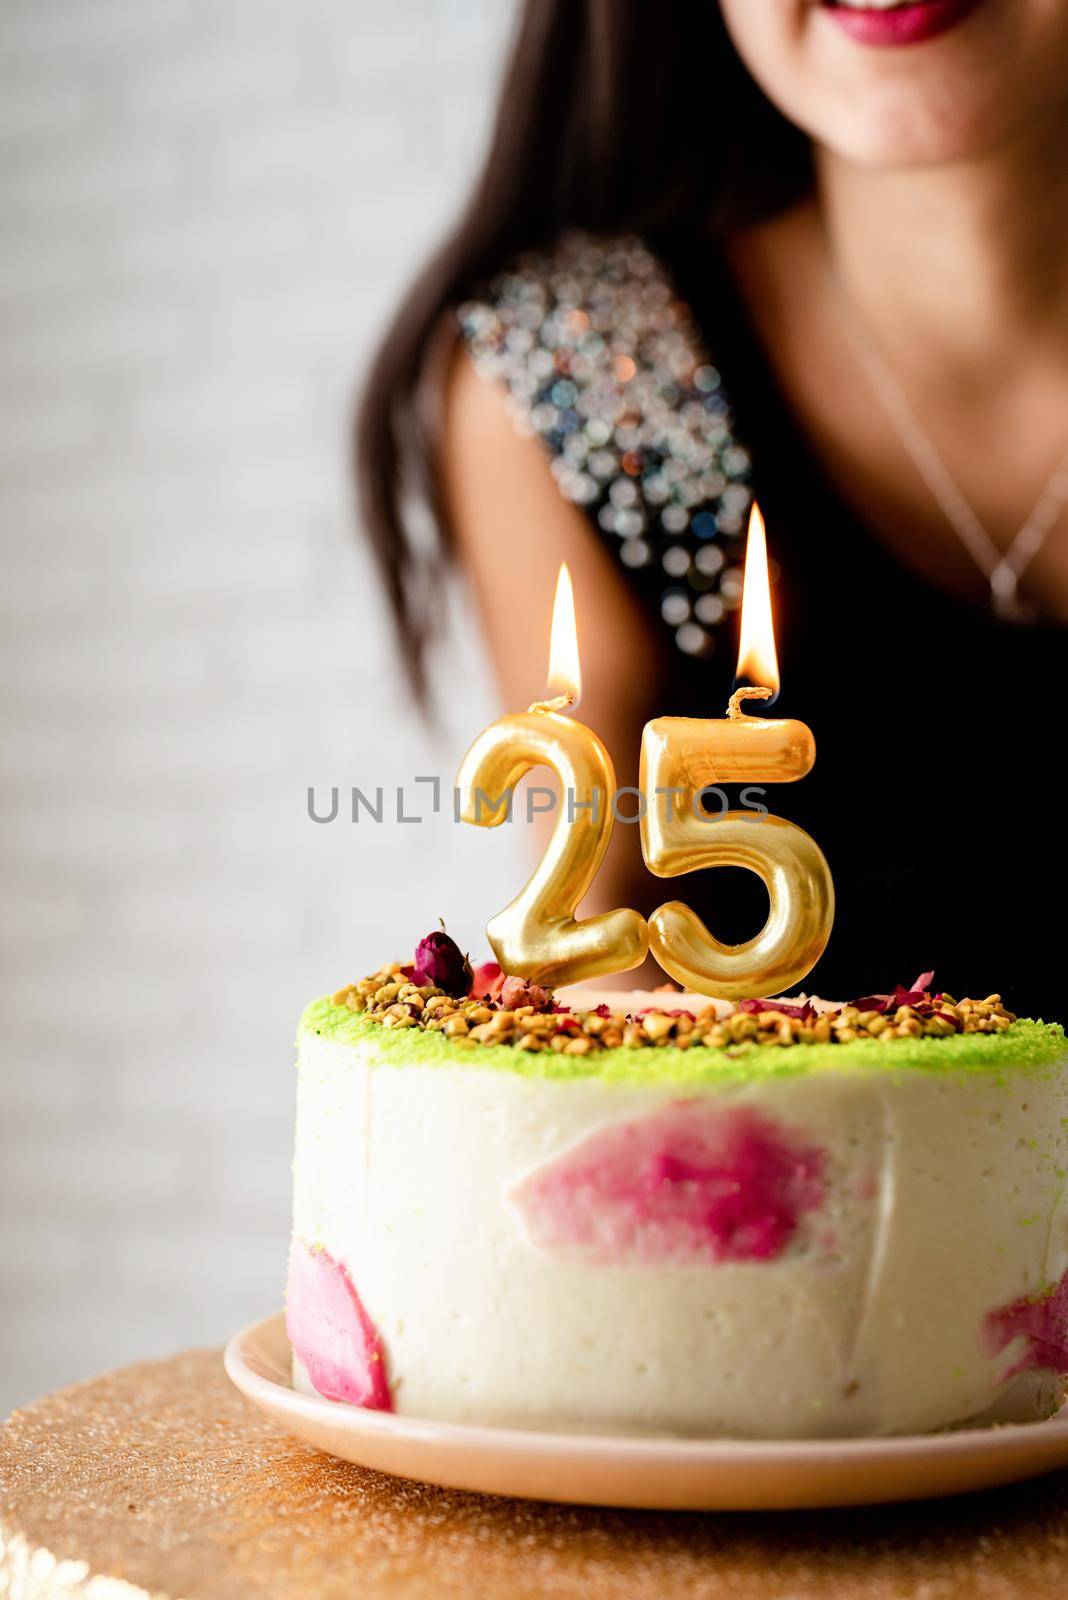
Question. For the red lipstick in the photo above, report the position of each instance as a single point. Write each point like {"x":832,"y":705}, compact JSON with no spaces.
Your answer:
{"x":905,"y":24}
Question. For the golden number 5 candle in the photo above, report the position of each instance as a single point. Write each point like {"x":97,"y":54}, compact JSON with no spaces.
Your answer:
{"x":681,"y":757}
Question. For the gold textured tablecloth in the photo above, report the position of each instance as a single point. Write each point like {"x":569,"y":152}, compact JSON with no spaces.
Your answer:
{"x":161,"y":1480}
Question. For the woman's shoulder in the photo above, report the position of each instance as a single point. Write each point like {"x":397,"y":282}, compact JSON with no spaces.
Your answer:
{"x":603,"y":361}
{"x":600,"y":314}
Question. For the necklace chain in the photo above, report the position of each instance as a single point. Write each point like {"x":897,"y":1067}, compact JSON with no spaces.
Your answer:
{"x":1002,"y":569}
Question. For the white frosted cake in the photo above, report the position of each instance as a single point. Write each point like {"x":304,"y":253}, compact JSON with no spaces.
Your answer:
{"x":651,"y":1216}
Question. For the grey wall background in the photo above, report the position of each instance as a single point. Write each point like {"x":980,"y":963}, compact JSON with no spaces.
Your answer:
{"x":206,"y":208}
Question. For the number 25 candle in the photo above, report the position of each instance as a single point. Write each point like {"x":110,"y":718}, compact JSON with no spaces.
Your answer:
{"x":538,"y":936}
{"x":682,"y":756}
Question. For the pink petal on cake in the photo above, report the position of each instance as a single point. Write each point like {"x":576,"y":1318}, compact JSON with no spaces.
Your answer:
{"x":873,"y":1002}
{"x":486,"y":982}
{"x":1042,"y":1320}
{"x":901,"y":996}
{"x":804,"y":1013}
{"x":331,"y":1332}
{"x":687,"y":1183}
{"x":517,"y":992}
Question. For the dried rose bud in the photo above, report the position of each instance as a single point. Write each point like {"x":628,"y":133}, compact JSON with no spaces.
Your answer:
{"x":439,"y":960}
{"x":516,"y":992}
{"x":487,"y":981}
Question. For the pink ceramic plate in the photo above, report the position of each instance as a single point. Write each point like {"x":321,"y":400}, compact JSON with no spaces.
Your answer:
{"x":662,"y":1473}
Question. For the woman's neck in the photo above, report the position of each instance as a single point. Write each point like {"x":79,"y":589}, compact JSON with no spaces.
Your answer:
{"x":961,"y":276}
{"x":958,"y":264}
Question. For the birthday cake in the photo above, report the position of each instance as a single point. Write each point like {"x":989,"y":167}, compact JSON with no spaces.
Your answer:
{"x":660,"y":1214}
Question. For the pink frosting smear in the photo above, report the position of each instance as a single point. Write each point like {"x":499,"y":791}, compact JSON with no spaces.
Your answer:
{"x":332,"y":1333}
{"x":1040,"y":1319}
{"x":688,"y":1183}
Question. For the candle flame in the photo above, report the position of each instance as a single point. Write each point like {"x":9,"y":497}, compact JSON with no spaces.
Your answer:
{"x":565,"y":673}
{"x":757,"y":660}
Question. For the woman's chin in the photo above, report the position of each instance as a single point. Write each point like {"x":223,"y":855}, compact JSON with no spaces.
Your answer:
{"x":898,"y":86}
{"x":904,"y":126}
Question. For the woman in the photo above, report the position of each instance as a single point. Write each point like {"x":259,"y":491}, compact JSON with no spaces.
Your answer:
{"x":816,"y":251}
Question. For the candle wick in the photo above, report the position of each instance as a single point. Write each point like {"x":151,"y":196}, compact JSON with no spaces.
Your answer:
{"x":559,"y":702}
{"x":734,"y":705}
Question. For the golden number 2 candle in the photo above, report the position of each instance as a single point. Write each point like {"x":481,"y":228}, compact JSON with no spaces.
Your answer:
{"x":538,"y":936}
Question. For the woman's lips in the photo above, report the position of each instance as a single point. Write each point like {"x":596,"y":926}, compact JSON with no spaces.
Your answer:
{"x":904,"y":24}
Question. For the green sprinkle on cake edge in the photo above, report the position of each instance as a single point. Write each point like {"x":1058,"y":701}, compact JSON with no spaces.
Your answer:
{"x":1026,"y":1044}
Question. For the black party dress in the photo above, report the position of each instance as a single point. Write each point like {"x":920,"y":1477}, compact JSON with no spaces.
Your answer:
{"x":936,"y":795}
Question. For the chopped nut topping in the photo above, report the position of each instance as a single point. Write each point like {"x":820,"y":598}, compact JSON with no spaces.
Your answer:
{"x":395,"y":1001}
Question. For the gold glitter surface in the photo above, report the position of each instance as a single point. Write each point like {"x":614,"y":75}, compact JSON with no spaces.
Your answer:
{"x":161,"y":1480}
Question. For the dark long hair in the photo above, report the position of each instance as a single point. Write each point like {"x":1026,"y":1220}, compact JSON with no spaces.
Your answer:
{"x":615,"y":116}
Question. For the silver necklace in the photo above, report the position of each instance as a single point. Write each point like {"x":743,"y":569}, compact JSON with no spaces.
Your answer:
{"x":1002,"y":569}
